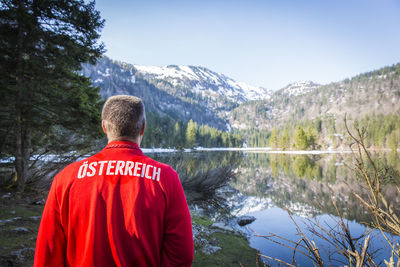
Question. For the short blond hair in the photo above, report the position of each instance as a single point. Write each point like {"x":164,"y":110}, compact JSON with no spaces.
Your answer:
{"x":123,"y":116}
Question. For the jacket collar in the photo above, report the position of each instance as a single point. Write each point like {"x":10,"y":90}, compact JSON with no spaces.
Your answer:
{"x":124,"y":145}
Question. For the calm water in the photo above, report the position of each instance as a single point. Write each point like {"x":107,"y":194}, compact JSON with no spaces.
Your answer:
{"x":223,"y":185}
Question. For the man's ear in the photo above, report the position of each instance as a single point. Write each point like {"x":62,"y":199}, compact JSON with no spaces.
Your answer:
{"x":143,"y":128}
{"x":103,"y":125}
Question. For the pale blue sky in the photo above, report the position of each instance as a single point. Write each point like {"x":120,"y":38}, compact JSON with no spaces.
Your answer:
{"x":264,"y":43}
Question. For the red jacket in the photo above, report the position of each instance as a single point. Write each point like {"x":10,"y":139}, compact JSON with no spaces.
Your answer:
{"x":116,"y":208}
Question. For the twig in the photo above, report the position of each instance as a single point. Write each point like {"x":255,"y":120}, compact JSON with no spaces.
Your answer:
{"x":278,"y":260}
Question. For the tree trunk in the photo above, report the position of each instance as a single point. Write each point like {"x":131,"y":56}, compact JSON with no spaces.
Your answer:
{"x":22,"y":130}
{"x":22,"y":153}
{"x":22,"y":137}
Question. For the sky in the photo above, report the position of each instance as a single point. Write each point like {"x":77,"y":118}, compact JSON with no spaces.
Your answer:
{"x":261,"y":42}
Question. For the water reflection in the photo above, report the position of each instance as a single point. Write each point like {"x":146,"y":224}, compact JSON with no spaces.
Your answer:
{"x":304,"y":184}
{"x":276,"y":221}
{"x":227,"y":184}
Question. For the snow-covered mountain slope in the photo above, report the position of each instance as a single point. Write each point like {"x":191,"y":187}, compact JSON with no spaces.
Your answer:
{"x":203,"y":81}
{"x":299,"y":88}
{"x":181,"y":92}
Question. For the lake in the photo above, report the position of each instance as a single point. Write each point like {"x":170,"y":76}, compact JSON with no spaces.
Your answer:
{"x":225,"y":185}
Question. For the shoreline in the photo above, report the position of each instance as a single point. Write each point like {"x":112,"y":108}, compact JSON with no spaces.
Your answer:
{"x":259,"y":149}
{"x":267,"y":150}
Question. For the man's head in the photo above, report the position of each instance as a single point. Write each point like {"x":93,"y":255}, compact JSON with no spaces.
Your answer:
{"x":123,"y":118}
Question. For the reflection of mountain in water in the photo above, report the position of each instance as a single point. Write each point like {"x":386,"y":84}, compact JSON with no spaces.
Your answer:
{"x":304,"y":184}
{"x":235,"y":183}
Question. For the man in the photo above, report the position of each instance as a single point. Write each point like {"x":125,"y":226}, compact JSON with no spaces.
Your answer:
{"x":118,"y":207}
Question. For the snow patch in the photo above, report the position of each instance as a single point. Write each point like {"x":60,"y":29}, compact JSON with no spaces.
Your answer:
{"x":299,"y":88}
{"x":205,"y":80}
{"x":158,"y":150}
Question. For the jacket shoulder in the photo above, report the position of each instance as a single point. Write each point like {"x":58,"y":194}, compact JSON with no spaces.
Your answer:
{"x":72,"y":169}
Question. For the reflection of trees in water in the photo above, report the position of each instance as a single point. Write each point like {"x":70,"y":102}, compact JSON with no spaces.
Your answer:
{"x":304,"y":166}
{"x":388,"y":166}
{"x":310,"y":180}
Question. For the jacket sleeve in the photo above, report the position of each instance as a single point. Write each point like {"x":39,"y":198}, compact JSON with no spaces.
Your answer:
{"x":50,"y":242}
{"x":178,"y":238}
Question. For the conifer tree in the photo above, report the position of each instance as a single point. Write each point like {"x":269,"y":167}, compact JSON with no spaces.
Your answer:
{"x":284,"y":142}
{"x":300,"y":138}
{"x":43,"y":44}
{"x":273,"y":140}
{"x":178,"y":140}
{"x":191,"y":132}
{"x":312,"y":136}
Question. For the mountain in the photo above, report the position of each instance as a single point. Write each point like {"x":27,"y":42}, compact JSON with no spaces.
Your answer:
{"x":200,"y":80}
{"x":207,"y":97}
{"x":181,"y":92}
{"x":375,"y":92}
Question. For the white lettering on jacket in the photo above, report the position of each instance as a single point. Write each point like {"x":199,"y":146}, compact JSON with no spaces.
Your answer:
{"x":110,"y":167}
{"x":91,"y":167}
{"x":120,"y":167}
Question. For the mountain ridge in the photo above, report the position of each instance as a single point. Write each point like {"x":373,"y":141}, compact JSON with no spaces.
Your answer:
{"x":180,"y":92}
{"x":371,"y":92}
{"x":202,"y":79}
{"x":208,"y":97}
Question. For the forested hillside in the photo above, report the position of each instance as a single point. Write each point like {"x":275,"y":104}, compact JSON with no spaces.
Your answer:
{"x":165,"y":132}
{"x":315,"y":118}
{"x":377,"y":91}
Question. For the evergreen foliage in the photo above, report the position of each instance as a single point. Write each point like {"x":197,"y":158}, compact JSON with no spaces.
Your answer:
{"x":284,"y":141}
{"x":273,"y":139}
{"x":162,"y":131}
{"x":382,"y":131}
{"x":191,"y":132}
{"x":43,"y":97}
{"x":300,"y":139}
